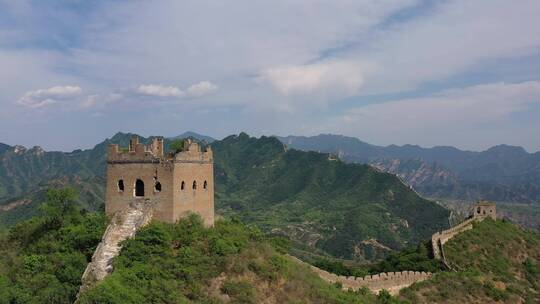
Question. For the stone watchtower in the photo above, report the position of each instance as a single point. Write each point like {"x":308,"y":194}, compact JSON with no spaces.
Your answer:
{"x":177,"y":183}
{"x":484,"y":209}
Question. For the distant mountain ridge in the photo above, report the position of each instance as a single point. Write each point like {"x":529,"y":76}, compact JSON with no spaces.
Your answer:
{"x":190,"y":134}
{"x":500,"y":173}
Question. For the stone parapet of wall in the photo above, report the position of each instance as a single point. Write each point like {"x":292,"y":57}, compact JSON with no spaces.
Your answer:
{"x":440,"y":238}
{"x":390,"y":281}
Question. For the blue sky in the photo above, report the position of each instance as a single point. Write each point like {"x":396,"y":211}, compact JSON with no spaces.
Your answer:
{"x":461,"y":73}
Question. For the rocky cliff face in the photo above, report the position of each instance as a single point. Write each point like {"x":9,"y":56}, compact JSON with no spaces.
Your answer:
{"x":417,"y":173}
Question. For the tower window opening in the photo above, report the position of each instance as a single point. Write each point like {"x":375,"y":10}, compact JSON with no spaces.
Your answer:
{"x":205,"y":185}
{"x":157,"y":187}
{"x":139,"y":188}
{"x":183,"y":185}
{"x":194,"y":185}
{"x":121,"y":185}
{"x":478,"y":210}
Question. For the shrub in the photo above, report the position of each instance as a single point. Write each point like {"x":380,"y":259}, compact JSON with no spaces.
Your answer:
{"x":239,"y":291}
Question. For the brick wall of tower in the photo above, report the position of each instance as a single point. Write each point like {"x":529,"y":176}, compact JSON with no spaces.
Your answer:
{"x":149,"y":173}
{"x":199,"y":200}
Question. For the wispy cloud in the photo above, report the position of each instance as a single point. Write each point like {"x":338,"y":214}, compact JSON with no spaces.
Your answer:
{"x":336,"y":79}
{"x":196,"y":90}
{"x":201,"y":89}
{"x":44,"y":97}
{"x":94,"y":100}
{"x":159,"y":90}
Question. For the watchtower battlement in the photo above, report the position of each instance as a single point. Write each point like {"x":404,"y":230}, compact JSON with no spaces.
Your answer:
{"x":136,"y":151}
{"x":177,"y":183}
{"x":193,"y":153}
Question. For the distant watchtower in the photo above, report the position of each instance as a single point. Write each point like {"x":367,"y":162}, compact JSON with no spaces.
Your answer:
{"x":484,"y":208}
{"x":178,"y":183}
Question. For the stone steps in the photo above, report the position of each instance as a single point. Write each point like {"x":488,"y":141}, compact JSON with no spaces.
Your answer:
{"x":123,"y":226}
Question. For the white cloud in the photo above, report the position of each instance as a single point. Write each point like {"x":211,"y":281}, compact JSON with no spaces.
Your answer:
{"x":336,"y":79}
{"x":159,"y":90}
{"x":201,"y":89}
{"x":43,"y":97}
{"x":96,"y":99}
{"x":194,"y":91}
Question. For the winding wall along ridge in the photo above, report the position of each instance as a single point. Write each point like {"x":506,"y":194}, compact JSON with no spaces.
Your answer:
{"x":390,"y":281}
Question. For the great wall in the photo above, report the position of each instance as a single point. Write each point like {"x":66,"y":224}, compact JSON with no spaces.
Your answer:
{"x":393,"y":282}
{"x":389,"y":281}
{"x":123,"y":226}
{"x":439,"y":238}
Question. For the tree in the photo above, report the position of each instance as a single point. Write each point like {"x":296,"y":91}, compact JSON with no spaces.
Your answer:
{"x":177,"y":145}
{"x":60,"y":204}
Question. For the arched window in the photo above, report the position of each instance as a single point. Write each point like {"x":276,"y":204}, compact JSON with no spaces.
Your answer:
{"x":121,"y":185}
{"x":478,"y":210}
{"x":157,"y":187}
{"x":139,"y":188}
{"x":194,"y":185}
{"x":205,"y":185}
{"x":183,"y":185}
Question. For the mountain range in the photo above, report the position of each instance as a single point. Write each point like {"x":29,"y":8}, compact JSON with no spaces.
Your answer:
{"x":324,"y":205}
{"x":502,"y":173}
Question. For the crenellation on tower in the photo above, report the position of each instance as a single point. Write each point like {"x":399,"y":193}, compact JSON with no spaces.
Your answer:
{"x":194,"y":153}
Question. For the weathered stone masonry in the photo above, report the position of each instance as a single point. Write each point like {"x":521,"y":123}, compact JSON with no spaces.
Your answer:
{"x":390,"y":281}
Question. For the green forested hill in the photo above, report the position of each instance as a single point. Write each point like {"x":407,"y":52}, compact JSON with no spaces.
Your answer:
{"x":230,"y":263}
{"x":346,"y":210}
{"x":42,"y":261}
{"x":495,"y":262}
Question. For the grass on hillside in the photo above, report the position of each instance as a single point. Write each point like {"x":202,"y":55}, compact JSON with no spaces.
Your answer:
{"x":497,"y":262}
{"x":42,"y":259}
{"x":229,"y":263}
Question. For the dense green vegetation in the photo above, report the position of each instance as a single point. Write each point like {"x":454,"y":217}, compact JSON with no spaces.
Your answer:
{"x":42,"y":259}
{"x":186,"y":263}
{"x":495,"y":261}
{"x":348,"y":210}
{"x":414,"y":258}
{"x":177,"y":145}
{"x":328,"y":207}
